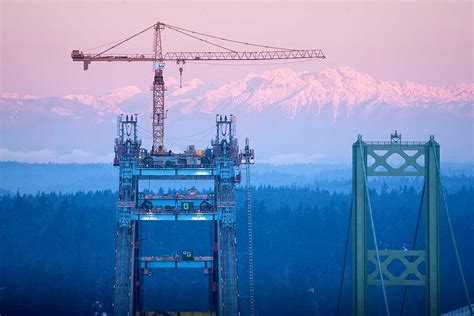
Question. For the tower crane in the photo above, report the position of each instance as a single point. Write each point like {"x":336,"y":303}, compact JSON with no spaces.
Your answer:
{"x":159,"y":58}
{"x":225,"y":147}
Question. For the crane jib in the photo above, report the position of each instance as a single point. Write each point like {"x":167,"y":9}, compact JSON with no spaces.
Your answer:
{"x":203,"y":56}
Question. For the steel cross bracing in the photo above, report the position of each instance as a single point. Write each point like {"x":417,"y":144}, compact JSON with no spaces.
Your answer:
{"x":219,"y":164}
{"x":158,"y":117}
{"x":158,"y":58}
{"x":418,"y":160}
{"x":204,"y":56}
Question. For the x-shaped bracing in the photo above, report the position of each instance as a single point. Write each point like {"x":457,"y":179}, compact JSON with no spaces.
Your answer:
{"x":388,"y":169}
{"x":411,"y":259}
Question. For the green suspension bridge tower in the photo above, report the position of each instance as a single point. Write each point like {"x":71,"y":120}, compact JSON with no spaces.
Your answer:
{"x":373,"y":159}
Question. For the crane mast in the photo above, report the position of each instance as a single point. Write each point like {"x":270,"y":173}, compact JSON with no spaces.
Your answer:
{"x":158,"y":122}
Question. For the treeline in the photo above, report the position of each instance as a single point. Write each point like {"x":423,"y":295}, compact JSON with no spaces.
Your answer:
{"x":32,"y":178}
{"x":57,"y":250}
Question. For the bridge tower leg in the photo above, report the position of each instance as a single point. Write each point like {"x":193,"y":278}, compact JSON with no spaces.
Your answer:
{"x":432,"y":185}
{"x":359,"y":231}
{"x":227,"y":156}
{"x":127,"y":147}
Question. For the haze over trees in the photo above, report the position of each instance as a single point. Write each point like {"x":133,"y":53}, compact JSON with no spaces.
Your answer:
{"x":57,"y":250}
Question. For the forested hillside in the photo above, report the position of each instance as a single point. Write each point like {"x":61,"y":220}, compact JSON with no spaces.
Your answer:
{"x":48,"y":177}
{"x":57,"y":250}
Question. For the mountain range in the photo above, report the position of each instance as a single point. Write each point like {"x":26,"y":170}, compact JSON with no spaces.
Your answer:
{"x":289,"y":116}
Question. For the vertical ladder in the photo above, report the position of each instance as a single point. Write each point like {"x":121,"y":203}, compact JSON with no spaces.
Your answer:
{"x":250,"y":241}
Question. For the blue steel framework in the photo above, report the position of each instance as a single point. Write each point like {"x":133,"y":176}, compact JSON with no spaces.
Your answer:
{"x":220,"y":164}
{"x":418,"y":159}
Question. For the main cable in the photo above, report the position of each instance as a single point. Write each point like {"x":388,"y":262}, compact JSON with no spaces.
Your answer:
{"x":405,"y":288}
{"x":344,"y":262}
{"x":451,"y":230}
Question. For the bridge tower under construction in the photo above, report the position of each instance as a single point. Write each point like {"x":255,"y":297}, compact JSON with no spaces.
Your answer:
{"x":219,"y":164}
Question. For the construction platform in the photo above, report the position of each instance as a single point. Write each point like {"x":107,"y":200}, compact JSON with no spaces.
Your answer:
{"x":175,"y":261}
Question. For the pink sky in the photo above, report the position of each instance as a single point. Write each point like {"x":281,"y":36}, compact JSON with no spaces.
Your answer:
{"x":422,"y":41}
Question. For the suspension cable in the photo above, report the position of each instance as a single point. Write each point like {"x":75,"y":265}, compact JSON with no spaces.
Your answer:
{"x":418,"y":220}
{"x":187,"y":32}
{"x":125,"y":40}
{"x":106,"y":44}
{"x":226,"y":39}
{"x":451,"y":230}
{"x":373,"y":230}
{"x":344,"y":262}
{"x":201,"y":39}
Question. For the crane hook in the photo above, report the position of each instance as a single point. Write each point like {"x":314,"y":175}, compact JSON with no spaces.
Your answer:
{"x":181,"y":63}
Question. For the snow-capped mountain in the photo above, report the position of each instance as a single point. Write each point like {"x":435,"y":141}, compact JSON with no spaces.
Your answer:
{"x":286,"y":113}
{"x":110,"y":100}
{"x":283,"y":89}
{"x":338,"y":90}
